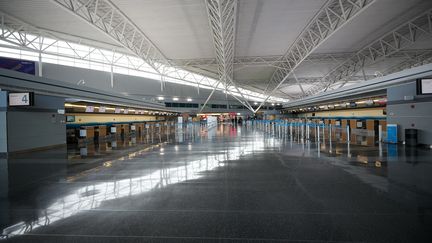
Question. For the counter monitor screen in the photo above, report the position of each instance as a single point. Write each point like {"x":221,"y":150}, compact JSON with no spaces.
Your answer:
{"x":21,"y":99}
{"x":425,"y":86}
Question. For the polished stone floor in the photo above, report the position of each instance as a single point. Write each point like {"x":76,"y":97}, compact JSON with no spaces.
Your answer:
{"x":223,"y":184}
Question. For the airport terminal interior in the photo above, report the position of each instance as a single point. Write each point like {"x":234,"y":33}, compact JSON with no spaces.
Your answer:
{"x":215,"y":121}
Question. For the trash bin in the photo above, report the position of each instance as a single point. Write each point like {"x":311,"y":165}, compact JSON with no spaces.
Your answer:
{"x":411,"y":137}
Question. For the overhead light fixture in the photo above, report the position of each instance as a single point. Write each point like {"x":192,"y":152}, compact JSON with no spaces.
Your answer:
{"x":273,"y":104}
{"x":175,"y":99}
{"x":160,"y":98}
{"x":255,"y":103}
{"x":189,"y":99}
{"x":277,"y":104}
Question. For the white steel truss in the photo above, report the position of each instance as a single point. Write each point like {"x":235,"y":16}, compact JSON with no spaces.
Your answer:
{"x":106,"y":17}
{"x":208,"y":64}
{"x":222,"y":15}
{"x":327,"y":21}
{"x":411,"y":58}
{"x":422,"y":58}
{"x":389,"y":44}
{"x":18,"y":34}
{"x":33,"y":42}
{"x":260,"y":60}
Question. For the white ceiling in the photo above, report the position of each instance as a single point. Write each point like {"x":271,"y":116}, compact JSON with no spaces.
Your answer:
{"x":382,"y":17}
{"x":266,"y":28}
{"x":47,"y":15}
{"x":180,"y":29}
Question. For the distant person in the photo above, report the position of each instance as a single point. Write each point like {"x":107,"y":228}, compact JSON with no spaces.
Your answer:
{"x":240,"y":121}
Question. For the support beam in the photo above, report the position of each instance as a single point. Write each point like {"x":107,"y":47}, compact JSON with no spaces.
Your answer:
{"x":328,"y":20}
{"x":222,"y":16}
{"x":24,"y":36}
{"x":106,"y":17}
{"x":384,"y":47}
{"x":260,"y":60}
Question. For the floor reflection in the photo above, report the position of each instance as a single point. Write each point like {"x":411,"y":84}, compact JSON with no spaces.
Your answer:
{"x":60,"y":184}
{"x":93,"y":195}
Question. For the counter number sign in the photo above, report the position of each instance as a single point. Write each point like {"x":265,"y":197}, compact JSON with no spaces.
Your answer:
{"x":21,"y":99}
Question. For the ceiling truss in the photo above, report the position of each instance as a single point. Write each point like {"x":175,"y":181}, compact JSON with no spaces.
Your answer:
{"x":222,"y":15}
{"x":107,"y":18}
{"x":28,"y":37}
{"x":389,"y":44}
{"x":327,"y":21}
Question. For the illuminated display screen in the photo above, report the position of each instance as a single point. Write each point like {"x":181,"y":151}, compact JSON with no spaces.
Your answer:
{"x":426,"y":86}
{"x":22,"y":66}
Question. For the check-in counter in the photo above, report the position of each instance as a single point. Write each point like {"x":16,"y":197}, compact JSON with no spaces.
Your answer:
{"x":353,"y":124}
{"x":383,"y":124}
{"x":101,"y":131}
{"x":103,"y":147}
{"x":132,"y":128}
{"x":87,"y":132}
{"x":125,"y":129}
{"x":370,"y":125}
{"x":139,"y":128}
{"x":116,"y":129}
{"x":344,"y":123}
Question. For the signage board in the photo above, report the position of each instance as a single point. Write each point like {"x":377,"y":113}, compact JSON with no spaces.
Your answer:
{"x":425,"y":86}
{"x":21,"y":99}
{"x":89,"y":108}
{"x":18,"y":65}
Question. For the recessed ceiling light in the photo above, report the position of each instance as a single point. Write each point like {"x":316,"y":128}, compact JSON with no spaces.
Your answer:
{"x":175,"y":99}
{"x":189,"y":99}
{"x":160,"y":98}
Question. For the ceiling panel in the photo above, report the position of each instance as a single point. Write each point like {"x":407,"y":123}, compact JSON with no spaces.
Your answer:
{"x":269,"y":27}
{"x":48,"y":15}
{"x":179,"y":28}
{"x":380,"y":18}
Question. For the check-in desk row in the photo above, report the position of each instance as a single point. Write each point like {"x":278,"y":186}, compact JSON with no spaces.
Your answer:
{"x":91,"y":132}
{"x":370,"y":130}
{"x":366,"y":124}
